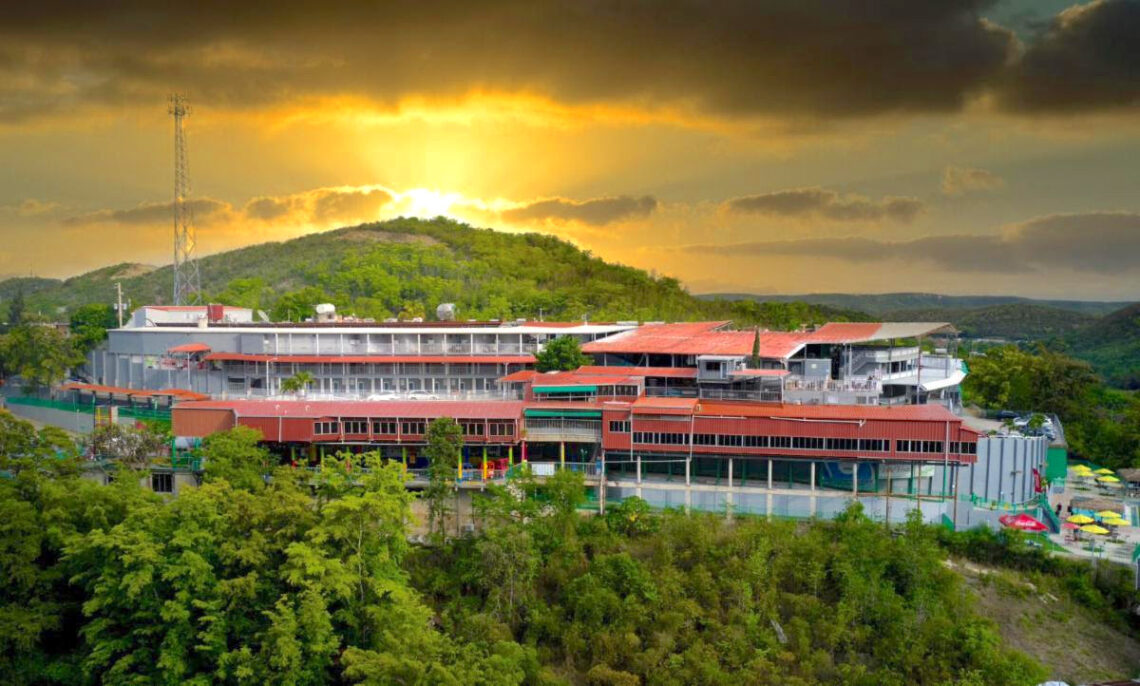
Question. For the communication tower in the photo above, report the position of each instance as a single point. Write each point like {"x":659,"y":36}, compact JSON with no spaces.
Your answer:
{"x":187,"y":281}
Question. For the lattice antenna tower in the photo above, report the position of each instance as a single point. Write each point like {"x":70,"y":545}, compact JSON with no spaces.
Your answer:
{"x":187,"y":280}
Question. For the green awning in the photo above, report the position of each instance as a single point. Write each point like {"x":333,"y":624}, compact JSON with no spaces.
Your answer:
{"x":565,"y":389}
{"x":591,"y":414}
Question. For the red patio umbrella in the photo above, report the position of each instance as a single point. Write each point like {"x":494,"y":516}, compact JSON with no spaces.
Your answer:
{"x":1070,"y":526}
{"x":1023,"y":522}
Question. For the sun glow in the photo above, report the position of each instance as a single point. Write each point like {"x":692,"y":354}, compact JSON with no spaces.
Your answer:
{"x":426,"y":203}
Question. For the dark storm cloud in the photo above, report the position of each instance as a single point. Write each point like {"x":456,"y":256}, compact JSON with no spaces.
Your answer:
{"x":268,"y":208}
{"x":1089,"y":58}
{"x":819,"y":202}
{"x":736,"y":57}
{"x":596,"y":212}
{"x":331,"y":205}
{"x":1097,"y":242}
{"x":204,"y":209}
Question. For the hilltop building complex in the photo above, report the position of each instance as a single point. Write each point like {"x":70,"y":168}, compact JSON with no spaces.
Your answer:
{"x":694,"y":415}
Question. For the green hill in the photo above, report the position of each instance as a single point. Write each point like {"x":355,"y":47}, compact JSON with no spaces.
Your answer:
{"x":879,"y":303}
{"x":1112,"y":345}
{"x":408,"y":266}
{"x":1020,"y":321}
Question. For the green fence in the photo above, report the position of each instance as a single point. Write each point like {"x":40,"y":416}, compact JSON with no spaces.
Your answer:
{"x":148,"y":413}
{"x":1057,"y":464}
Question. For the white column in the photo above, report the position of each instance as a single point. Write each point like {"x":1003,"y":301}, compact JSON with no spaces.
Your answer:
{"x":855,"y":478}
{"x":728,"y":495}
{"x":769,"y":479}
{"x":813,"y":476}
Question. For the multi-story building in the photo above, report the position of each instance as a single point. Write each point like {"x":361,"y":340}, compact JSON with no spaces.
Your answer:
{"x":228,"y":352}
{"x":231,"y":352}
{"x":690,"y":414}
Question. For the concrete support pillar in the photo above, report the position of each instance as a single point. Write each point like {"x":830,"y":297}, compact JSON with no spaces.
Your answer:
{"x":484,"y":463}
{"x":602,"y":485}
{"x":728,"y":494}
{"x":689,"y":472}
{"x":562,"y":454}
{"x":855,"y":479}
{"x":510,"y":455}
{"x":638,"y":493}
{"x":769,"y":485}
{"x":813,"y":476}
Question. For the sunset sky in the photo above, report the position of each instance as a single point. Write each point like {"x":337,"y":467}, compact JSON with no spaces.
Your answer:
{"x":764,"y":146}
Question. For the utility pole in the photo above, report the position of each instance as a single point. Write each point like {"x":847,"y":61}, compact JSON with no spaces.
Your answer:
{"x":187,"y":281}
{"x":119,"y":302}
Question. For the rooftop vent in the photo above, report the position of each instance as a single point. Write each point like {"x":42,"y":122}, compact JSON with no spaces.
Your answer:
{"x":445,"y":312}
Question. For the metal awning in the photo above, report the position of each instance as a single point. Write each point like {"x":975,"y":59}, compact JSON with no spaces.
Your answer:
{"x":590,"y":414}
{"x":189,"y":348}
{"x":565,"y":389}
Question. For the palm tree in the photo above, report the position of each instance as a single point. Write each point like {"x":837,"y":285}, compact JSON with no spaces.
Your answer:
{"x":297,"y":383}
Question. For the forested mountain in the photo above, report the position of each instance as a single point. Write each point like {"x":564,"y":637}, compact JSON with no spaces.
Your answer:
{"x":407,"y":266}
{"x":1013,"y":321}
{"x":879,"y":303}
{"x":1112,"y":345}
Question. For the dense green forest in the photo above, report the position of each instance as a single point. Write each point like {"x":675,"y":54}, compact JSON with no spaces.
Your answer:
{"x":878,"y":304}
{"x":268,"y":574}
{"x":405,"y":267}
{"x":1101,"y":423}
{"x":1015,"y":322}
{"x":1112,"y":345}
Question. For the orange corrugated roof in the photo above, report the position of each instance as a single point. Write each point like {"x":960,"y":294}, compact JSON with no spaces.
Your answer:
{"x":139,"y":392}
{"x":841,"y":412}
{"x":189,"y":348}
{"x":577,"y":378}
{"x":697,"y":338}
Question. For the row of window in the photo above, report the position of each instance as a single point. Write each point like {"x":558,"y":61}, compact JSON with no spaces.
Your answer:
{"x":390,"y":428}
{"x":867,"y":445}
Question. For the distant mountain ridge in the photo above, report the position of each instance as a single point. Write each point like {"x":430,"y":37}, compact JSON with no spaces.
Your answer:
{"x":879,"y":303}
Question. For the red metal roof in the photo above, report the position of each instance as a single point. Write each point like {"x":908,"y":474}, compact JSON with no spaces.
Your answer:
{"x":683,"y":406}
{"x":519,"y":376}
{"x":419,"y":409}
{"x":664,"y":372}
{"x":378,"y":359}
{"x":844,"y":332}
{"x":697,"y":338}
{"x":932,"y":412}
{"x":136,"y":392}
{"x":189,"y":348}
{"x":577,"y":378}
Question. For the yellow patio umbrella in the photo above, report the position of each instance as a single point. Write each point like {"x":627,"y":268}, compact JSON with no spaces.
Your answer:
{"x":1081,"y":468}
{"x":1081,"y":519}
{"x":1114,"y":522}
{"x":1103,"y":470}
{"x":1094,"y":529}
{"x":1108,"y":480}
{"x":1107,"y":514}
